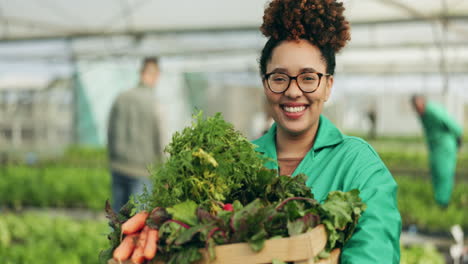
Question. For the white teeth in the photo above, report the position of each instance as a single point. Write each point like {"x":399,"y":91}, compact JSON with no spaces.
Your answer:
{"x":294,"y":109}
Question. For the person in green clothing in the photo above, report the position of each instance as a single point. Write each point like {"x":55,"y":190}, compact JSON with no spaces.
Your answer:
{"x":444,"y":138}
{"x":297,"y":66}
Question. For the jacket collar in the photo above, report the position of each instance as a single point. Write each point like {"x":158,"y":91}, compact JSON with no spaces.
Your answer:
{"x":327,"y":135}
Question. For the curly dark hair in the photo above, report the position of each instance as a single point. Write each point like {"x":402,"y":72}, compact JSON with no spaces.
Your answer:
{"x":321,"y":22}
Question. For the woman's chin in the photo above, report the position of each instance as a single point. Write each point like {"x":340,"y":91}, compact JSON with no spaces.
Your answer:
{"x":296,"y":127}
{"x":294,"y":130}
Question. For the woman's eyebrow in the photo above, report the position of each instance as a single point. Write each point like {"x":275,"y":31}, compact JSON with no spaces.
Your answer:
{"x":308,"y":70}
{"x":280,"y":70}
{"x":284,"y":70}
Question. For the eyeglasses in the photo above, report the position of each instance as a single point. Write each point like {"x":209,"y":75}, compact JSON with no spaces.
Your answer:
{"x":308,"y":82}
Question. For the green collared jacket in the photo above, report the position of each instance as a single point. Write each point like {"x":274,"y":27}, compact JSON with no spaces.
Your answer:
{"x":340,"y":162}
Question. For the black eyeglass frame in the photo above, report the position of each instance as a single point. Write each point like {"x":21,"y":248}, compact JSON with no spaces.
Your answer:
{"x":320,"y":75}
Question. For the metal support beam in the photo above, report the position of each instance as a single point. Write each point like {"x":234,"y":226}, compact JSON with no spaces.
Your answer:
{"x":28,"y":23}
{"x":131,"y":51}
{"x":76,"y":34}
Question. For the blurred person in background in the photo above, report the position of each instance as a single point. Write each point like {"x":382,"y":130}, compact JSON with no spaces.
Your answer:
{"x":297,"y":66}
{"x":134,"y":136}
{"x":444,"y":139}
{"x":372,"y":116}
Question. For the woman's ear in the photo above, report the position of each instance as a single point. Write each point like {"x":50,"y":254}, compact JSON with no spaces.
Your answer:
{"x":265,"y":84}
{"x":328,"y":88}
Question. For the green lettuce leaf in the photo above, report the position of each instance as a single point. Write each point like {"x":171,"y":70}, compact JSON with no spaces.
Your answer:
{"x":341,"y":212}
{"x":185,"y":212}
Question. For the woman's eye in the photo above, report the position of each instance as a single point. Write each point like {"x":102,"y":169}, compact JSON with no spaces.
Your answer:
{"x":309,"y":78}
{"x":279,"y":79}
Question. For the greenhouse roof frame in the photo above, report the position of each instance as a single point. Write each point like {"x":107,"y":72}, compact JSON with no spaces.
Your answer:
{"x":406,"y":35}
{"x":23,"y":20}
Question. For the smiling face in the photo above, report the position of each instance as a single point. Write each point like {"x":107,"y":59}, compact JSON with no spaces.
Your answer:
{"x":294,"y":111}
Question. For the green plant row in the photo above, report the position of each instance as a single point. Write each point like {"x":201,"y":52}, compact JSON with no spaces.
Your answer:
{"x":417,"y":205}
{"x":74,"y":156}
{"x":416,"y":160}
{"x":396,"y":138}
{"x":41,"y":239}
{"x":89,"y":188}
{"x":54,"y":187}
{"x":80,"y":156}
{"x":80,"y":153}
{"x":421,"y":254}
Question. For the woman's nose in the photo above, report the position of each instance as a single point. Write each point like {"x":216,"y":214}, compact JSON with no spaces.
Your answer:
{"x":293,"y":91}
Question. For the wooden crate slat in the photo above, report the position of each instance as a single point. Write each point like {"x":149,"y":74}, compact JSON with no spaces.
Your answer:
{"x":300,"y":249}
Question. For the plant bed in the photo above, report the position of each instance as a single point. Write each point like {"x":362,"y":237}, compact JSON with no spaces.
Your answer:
{"x":40,"y":238}
{"x":300,"y":249}
{"x":53,"y":186}
{"x":418,"y":207}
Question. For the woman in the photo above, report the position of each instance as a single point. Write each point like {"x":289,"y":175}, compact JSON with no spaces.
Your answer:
{"x":297,"y":66}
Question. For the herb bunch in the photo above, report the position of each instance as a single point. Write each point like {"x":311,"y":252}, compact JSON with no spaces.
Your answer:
{"x":209,"y":162}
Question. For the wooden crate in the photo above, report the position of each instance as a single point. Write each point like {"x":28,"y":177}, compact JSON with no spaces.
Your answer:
{"x":300,"y":249}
